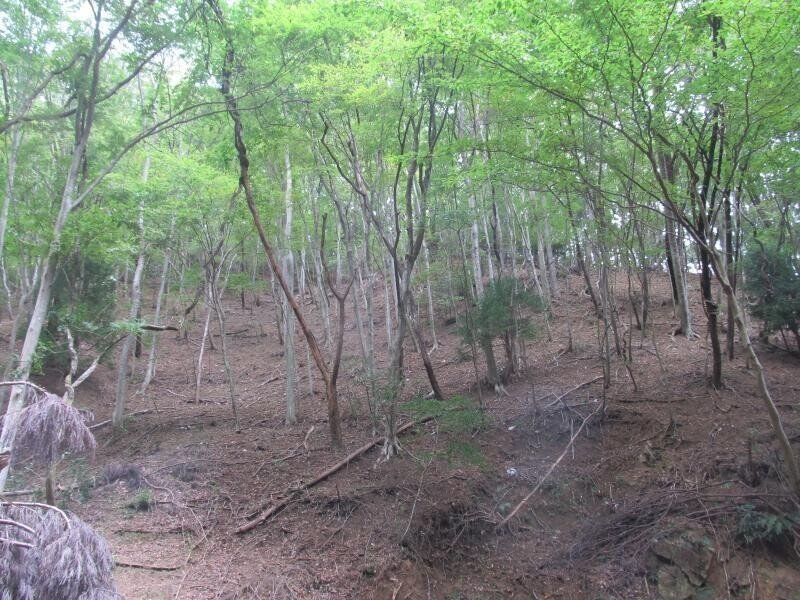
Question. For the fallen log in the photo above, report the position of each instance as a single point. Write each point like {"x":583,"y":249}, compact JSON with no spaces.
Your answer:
{"x":265,"y":512}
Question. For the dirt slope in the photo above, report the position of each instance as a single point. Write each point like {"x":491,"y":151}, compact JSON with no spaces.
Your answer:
{"x":653,"y":501}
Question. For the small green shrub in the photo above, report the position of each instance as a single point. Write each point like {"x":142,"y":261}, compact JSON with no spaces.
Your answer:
{"x":773,"y":286}
{"x":756,"y":525}
{"x":459,"y":415}
{"x":142,"y":502}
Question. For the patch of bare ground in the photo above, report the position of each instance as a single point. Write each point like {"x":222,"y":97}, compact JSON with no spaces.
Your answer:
{"x":671,"y":493}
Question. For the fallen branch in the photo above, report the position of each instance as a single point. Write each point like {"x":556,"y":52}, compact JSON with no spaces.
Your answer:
{"x":572,"y":439}
{"x":265,"y":512}
{"x":575,"y":389}
{"x":108,"y":421}
{"x":147,"y":327}
{"x":131,"y":565}
{"x":18,"y":493}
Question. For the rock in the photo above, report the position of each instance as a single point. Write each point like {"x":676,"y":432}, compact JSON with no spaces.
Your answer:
{"x":680,"y":562}
{"x":780,"y":582}
{"x":673,"y":584}
{"x":690,"y":549}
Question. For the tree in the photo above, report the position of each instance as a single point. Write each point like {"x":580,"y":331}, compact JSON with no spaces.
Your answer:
{"x":703,"y":89}
{"x":93,"y":81}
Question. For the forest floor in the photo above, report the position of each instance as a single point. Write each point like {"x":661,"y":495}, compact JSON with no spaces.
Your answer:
{"x":659,"y":499}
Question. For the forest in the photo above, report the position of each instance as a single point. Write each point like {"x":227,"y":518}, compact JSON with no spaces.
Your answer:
{"x":399,"y":299}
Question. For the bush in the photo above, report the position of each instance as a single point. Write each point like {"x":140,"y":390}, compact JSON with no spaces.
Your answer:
{"x":764,"y":527}
{"x":458,"y":415}
{"x":772,"y":283}
{"x":501,"y":310}
{"x":83,"y":300}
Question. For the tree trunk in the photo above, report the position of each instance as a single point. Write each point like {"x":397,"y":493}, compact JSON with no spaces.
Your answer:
{"x":150,"y":371}
{"x":552,"y":278}
{"x":220,"y":311}
{"x":429,"y":293}
{"x":712,"y":311}
{"x":475,"y":239}
{"x":127,"y":345}
{"x":244,"y":179}
{"x":8,"y":195}
{"x":199,"y":373}
{"x":288,"y":317}
{"x":679,"y":273}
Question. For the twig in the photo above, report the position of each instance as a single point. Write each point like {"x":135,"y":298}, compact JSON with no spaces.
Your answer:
{"x":572,"y":439}
{"x":260,"y":517}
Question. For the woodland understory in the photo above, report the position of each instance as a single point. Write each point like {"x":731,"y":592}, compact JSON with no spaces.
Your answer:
{"x":349,"y":299}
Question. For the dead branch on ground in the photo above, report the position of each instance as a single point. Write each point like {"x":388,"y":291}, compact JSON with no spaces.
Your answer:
{"x":266,"y":511}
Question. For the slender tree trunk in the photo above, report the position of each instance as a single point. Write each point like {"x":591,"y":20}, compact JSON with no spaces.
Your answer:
{"x":289,"y":346}
{"x":552,"y":278}
{"x":388,"y":319}
{"x":216,"y":299}
{"x":475,"y":238}
{"x":244,"y":179}
{"x":324,"y":306}
{"x":712,"y":311}
{"x":288,"y":317}
{"x":772,"y":410}
{"x":489,"y":261}
{"x":150,"y":371}
{"x":199,"y":374}
{"x":429,"y":293}
{"x":679,"y":274}
{"x":8,"y":196}
{"x":127,"y":345}
{"x":132,"y":339}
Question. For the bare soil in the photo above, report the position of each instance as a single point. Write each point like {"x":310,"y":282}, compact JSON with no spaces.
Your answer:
{"x":671,"y":455}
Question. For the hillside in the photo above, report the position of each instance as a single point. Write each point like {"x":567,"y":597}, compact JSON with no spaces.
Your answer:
{"x":670,"y":458}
